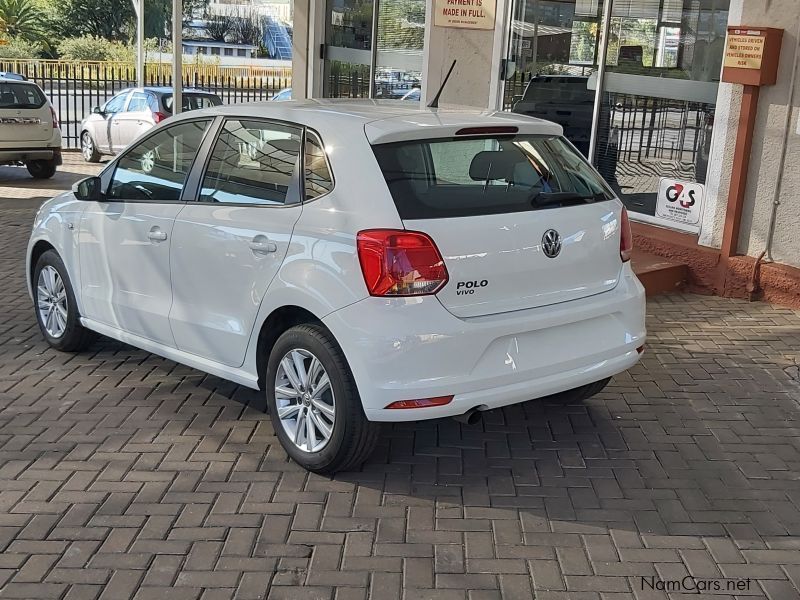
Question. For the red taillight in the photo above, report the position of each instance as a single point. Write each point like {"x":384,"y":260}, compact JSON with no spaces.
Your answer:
{"x":421,"y":403}
{"x":492,"y":130}
{"x":158,"y":117}
{"x":55,"y":117}
{"x":400,"y":263}
{"x":626,"y":239}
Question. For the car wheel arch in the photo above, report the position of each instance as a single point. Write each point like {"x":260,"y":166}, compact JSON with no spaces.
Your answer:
{"x":38,"y":249}
{"x":277,"y":322}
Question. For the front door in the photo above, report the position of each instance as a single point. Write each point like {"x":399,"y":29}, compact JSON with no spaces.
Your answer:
{"x":228,"y":246}
{"x":111,"y":112}
{"x":125,"y":239}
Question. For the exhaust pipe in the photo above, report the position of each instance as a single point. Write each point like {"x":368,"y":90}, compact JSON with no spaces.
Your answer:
{"x":471,"y":417}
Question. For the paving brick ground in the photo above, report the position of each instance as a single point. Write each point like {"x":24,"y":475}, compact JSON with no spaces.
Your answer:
{"x":123,"y":475}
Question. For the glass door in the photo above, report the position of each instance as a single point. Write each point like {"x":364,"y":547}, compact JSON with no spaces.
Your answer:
{"x":373,"y":49}
{"x":348,"y":50}
{"x":553,"y":50}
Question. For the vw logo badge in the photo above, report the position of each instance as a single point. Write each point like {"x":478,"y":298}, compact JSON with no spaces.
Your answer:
{"x":551,"y":243}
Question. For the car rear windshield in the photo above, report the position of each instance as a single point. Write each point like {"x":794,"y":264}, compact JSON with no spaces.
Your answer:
{"x":20,"y":95}
{"x":193,"y":101}
{"x":461,"y":177}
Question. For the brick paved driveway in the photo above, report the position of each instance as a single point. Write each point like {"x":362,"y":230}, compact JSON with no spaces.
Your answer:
{"x":125,"y":475}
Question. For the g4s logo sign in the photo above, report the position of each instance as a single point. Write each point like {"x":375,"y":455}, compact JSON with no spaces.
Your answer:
{"x":674,"y":195}
{"x":680,"y":202}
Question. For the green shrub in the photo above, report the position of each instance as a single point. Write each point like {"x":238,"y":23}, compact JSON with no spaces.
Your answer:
{"x":89,"y":47}
{"x":19,"y":48}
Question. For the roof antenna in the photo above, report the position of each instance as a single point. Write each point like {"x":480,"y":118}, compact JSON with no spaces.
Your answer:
{"x":435,"y":102}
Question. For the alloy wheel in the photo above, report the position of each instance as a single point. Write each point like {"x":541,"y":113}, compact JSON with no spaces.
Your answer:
{"x":87,"y":147}
{"x":51,"y":300}
{"x":148,"y":161}
{"x":305,"y":401}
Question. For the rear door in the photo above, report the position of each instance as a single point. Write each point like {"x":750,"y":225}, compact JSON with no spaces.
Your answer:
{"x":521,"y":221}
{"x":229,"y":244}
{"x":135,"y":121}
{"x":24,"y":114}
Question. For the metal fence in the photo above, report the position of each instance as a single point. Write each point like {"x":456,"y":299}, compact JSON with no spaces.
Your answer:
{"x":75,"y":92}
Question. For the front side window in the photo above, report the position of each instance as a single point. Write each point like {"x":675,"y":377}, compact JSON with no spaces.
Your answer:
{"x":156,"y":169}
{"x":116,"y":104}
{"x":252,"y":163}
{"x":138,"y":102}
{"x":447,"y":178}
{"x":318,"y":178}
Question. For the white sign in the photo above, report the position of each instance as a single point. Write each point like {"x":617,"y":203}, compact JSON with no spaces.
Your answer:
{"x":680,"y":201}
{"x":465,"y":14}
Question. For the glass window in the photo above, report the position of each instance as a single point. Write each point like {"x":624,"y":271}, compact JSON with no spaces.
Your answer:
{"x":156,"y":168}
{"x":215,"y":50}
{"x":241,"y":52}
{"x":20,"y":95}
{"x":252,"y":163}
{"x":138,"y":102}
{"x":318,"y":178}
{"x":192,"y":101}
{"x":431,"y":179}
{"x":116,"y":104}
{"x":228,"y":51}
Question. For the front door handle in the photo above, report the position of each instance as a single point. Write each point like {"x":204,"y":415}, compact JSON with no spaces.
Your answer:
{"x":262,"y":245}
{"x":156,"y":235}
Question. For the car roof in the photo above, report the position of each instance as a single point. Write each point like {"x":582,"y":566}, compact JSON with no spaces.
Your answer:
{"x":383,"y":120}
{"x":163,"y":89}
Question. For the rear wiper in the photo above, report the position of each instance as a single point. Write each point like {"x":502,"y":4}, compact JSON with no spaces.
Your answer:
{"x":562,"y":198}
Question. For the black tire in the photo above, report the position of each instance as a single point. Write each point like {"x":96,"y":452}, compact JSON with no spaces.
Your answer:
{"x":353,"y":437}
{"x":89,"y":150}
{"x":75,"y":336}
{"x":41,"y":169}
{"x":578,"y":394}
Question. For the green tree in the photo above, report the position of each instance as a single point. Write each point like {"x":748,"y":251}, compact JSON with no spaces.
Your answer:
{"x":90,"y":47}
{"x":109,"y":19}
{"x":22,"y":20}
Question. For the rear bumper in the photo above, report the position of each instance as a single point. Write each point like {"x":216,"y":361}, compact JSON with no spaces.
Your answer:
{"x":25,"y":154}
{"x":414,"y":348}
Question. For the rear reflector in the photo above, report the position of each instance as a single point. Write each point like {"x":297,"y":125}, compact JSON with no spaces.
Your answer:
{"x":55,"y":117}
{"x":506,"y":129}
{"x":396,"y":262}
{"x":421,"y":403}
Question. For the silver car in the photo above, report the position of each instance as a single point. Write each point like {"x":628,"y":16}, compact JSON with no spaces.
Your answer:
{"x":113,"y":126}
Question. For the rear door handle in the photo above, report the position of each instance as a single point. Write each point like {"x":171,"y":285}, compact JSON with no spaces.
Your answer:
{"x":156,"y":235}
{"x":261,"y":244}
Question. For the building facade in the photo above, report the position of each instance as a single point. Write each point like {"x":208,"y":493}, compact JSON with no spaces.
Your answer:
{"x":637,"y":86}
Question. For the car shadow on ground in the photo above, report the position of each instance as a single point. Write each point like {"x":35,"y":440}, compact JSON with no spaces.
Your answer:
{"x":651,"y":455}
{"x":17,"y":184}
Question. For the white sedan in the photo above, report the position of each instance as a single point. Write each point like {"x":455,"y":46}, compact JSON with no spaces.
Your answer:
{"x":358,"y":262}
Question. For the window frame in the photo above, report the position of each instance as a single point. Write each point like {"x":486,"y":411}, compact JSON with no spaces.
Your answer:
{"x":297,"y":179}
{"x":107,"y":176}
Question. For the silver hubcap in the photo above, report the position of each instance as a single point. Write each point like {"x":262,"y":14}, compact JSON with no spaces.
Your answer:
{"x":304,"y":397}
{"x":51,"y":298}
{"x":87,"y":146}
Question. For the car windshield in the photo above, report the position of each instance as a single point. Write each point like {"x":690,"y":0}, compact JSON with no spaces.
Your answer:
{"x":193,"y":101}
{"x":459,"y":177}
{"x":20,"y":95}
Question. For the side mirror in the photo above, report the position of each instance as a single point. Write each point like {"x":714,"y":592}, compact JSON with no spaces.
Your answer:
{"x":88,"y":189}
{"x":97,"y":110}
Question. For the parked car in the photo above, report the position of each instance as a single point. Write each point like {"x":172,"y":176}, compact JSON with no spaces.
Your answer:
{"x":29,"y":132}
{"x":11,"y":75}
{"x":131,"y":113}
{"x":284,"y":94}
{"x":414,"y":94}
{"x":358,"y":262}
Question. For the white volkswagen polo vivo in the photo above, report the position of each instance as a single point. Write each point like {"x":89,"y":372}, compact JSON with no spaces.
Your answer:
{"x":359,"y":262}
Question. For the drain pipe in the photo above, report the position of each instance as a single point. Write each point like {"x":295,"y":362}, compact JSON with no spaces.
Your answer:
{"x":754,"y":286}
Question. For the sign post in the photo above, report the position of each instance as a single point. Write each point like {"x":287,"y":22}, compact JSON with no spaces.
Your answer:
{"x":751,"y":59}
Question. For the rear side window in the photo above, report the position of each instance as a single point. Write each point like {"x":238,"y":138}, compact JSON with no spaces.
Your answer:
{"x":20,"y":95}
{"x":318,"y":178}
{"x":192,"y":101}
{"x":462,"y":177}
{"x":138,"y":102}
{"x":252,"y":163}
